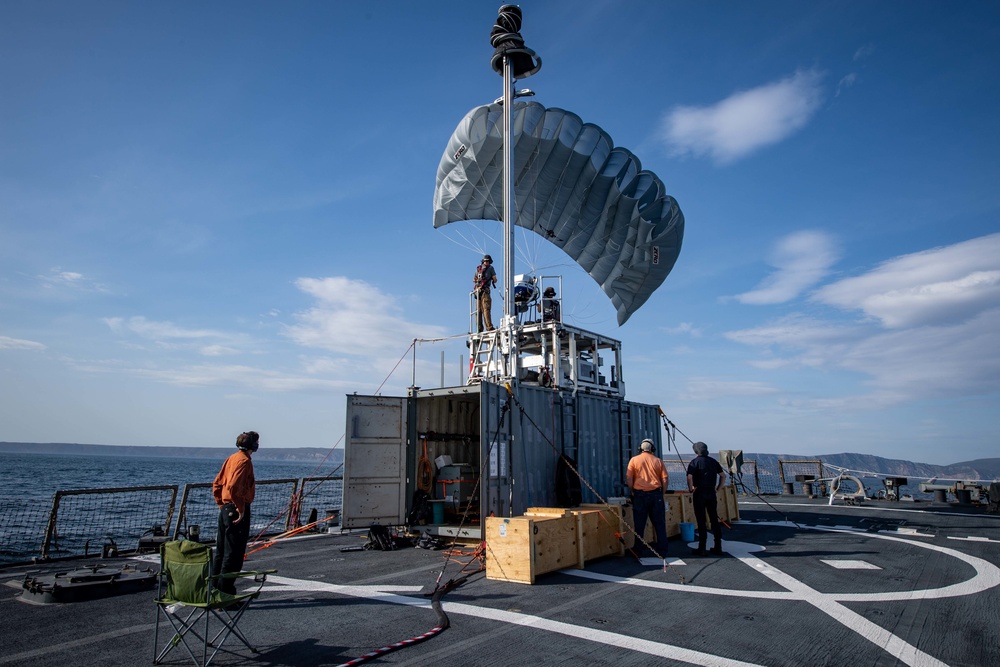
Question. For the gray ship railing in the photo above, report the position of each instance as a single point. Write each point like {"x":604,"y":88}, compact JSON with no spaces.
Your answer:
{"x":90,"y":522}
{"x":102,"y":522}
{"x":754,"y":480}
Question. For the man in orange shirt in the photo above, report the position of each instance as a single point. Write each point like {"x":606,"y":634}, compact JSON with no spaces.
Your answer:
{"x":234,"y":489}
{"x":647,"y":478}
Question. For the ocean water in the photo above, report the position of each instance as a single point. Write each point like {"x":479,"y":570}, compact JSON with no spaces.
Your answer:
{"x":28,"y":484}
{"x":37,"y":477}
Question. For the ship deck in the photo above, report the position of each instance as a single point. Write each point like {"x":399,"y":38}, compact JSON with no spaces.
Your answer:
{"x":801,"y":583}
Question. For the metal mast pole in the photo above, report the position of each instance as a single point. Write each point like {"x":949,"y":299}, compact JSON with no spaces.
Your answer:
{"x":512,"y":60}
{"x":508,"y":221}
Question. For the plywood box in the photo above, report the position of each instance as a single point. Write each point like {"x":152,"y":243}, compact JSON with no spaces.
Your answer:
{"x":548,"y":539}
{"x":729,"y":509}
{"x":680,"y":509}
{"x":598,"y":528}
{"x":521,"y":548}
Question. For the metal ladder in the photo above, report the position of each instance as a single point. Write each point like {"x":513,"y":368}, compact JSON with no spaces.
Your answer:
{"x":486,"y":360}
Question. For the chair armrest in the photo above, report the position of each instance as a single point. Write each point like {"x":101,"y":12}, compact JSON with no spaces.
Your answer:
{"x":243,"y":573}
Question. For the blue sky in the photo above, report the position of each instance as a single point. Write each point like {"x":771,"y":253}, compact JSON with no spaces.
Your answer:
{"x":216,"y":216}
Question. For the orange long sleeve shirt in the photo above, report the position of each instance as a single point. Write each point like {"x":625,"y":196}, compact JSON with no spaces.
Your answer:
{"x":235,"y":482}
{"x":646,"y":472}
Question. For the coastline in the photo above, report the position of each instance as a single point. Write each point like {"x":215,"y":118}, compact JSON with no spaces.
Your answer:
{"x":306,"y":454}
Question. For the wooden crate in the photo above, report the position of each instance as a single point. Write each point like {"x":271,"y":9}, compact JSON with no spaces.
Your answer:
{"x":521,"y":548}
{"x":598,"y":527}
{"x":680,"y":509}
{"x":547,"y":539}
{"x":729,"y":508}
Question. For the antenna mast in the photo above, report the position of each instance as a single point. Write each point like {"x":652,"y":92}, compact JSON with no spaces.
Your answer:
{"x":512,"y":60}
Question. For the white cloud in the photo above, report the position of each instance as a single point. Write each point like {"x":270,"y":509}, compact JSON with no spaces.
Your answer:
{"x":800,"y":260}
{"x":846,"y":82}
{"x":71,"y":280}
{"x":168,"y":335}
{"x":929,"y":329}
{"x":158,"y":330}
{"x":7,"y":343}
{"x":795,"y":330}
{"x":864,"y":52}
{"x":937,"y":286}
{"x":353,"y":317}
{"x":703,"y":389}
{"x":932,"y":361}
{"x":217,"y":350}
{"x":745,"y":121}
{"x":684,"y":328}
{"x":248,"y":377}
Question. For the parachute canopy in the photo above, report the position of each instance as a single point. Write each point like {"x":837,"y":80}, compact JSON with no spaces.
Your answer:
{"x":571,"y":186}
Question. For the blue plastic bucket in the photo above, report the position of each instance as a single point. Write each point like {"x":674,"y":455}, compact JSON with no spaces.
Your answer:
{"x":438,"y":511}
{"x":687,"y":532}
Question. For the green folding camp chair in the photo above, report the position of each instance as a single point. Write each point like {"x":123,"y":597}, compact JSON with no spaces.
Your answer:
{"x":188,"y":598}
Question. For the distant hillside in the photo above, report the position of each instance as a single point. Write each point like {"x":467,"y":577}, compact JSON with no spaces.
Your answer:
{"x":983,"y":469}
{"x":980,"y":469}
{"x":219,"y":453}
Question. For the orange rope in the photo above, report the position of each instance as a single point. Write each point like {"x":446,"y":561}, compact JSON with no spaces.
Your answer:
{"x":285,"y":535}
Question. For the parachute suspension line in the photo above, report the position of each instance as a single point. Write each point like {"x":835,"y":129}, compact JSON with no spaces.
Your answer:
{"x":670,"y":425}
{"x":583,"y":480}
{"x":468,"y":243}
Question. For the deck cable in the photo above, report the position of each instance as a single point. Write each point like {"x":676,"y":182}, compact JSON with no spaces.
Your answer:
{"x":441,"y":589}
{"x":443,"y":624}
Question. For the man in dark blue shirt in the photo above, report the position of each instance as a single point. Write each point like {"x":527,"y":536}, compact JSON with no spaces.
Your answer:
{"x":705,"y":478}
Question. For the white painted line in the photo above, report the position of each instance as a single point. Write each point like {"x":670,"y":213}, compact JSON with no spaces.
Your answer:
{"x":600,"y":636}
{"x":974,"y":539}
{"x":685,"y":588}
{"x":876,"y":634}
{"x":658,"y":649}
{"x":870,"y":508}
{"x":656,"y":562}
{"x":850,"y":564}
{"x":987,"y":576}
{"x":909,"y":532}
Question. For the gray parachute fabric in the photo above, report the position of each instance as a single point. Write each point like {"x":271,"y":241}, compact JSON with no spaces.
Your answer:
{"x":574,"y":188}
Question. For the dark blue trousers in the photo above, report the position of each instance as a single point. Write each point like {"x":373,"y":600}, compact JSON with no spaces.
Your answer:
{"x":230,"y":545}
{"x":650,"y":504}
{"x":707,"y":505}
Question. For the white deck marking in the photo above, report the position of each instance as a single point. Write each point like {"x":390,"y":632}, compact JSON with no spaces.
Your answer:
{"x":850,"y":564}
{"x":648,"y":562}
{"x":535,"y":622}
{"x":872,"y":508}
{"x":909,"y":532}
{"x":76,"y":643}
{"x":974,"y":539}
{"x":987,"y":576}
{"x":826,"y":603}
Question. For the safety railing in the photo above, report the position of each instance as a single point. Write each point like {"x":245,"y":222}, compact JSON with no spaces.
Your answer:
{"x":80,"y":518}
{"x":95,"y":522}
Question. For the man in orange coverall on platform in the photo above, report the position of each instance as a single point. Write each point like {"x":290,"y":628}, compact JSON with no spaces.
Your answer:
{"x":647,"y":478}
{"x":234,"y":489}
